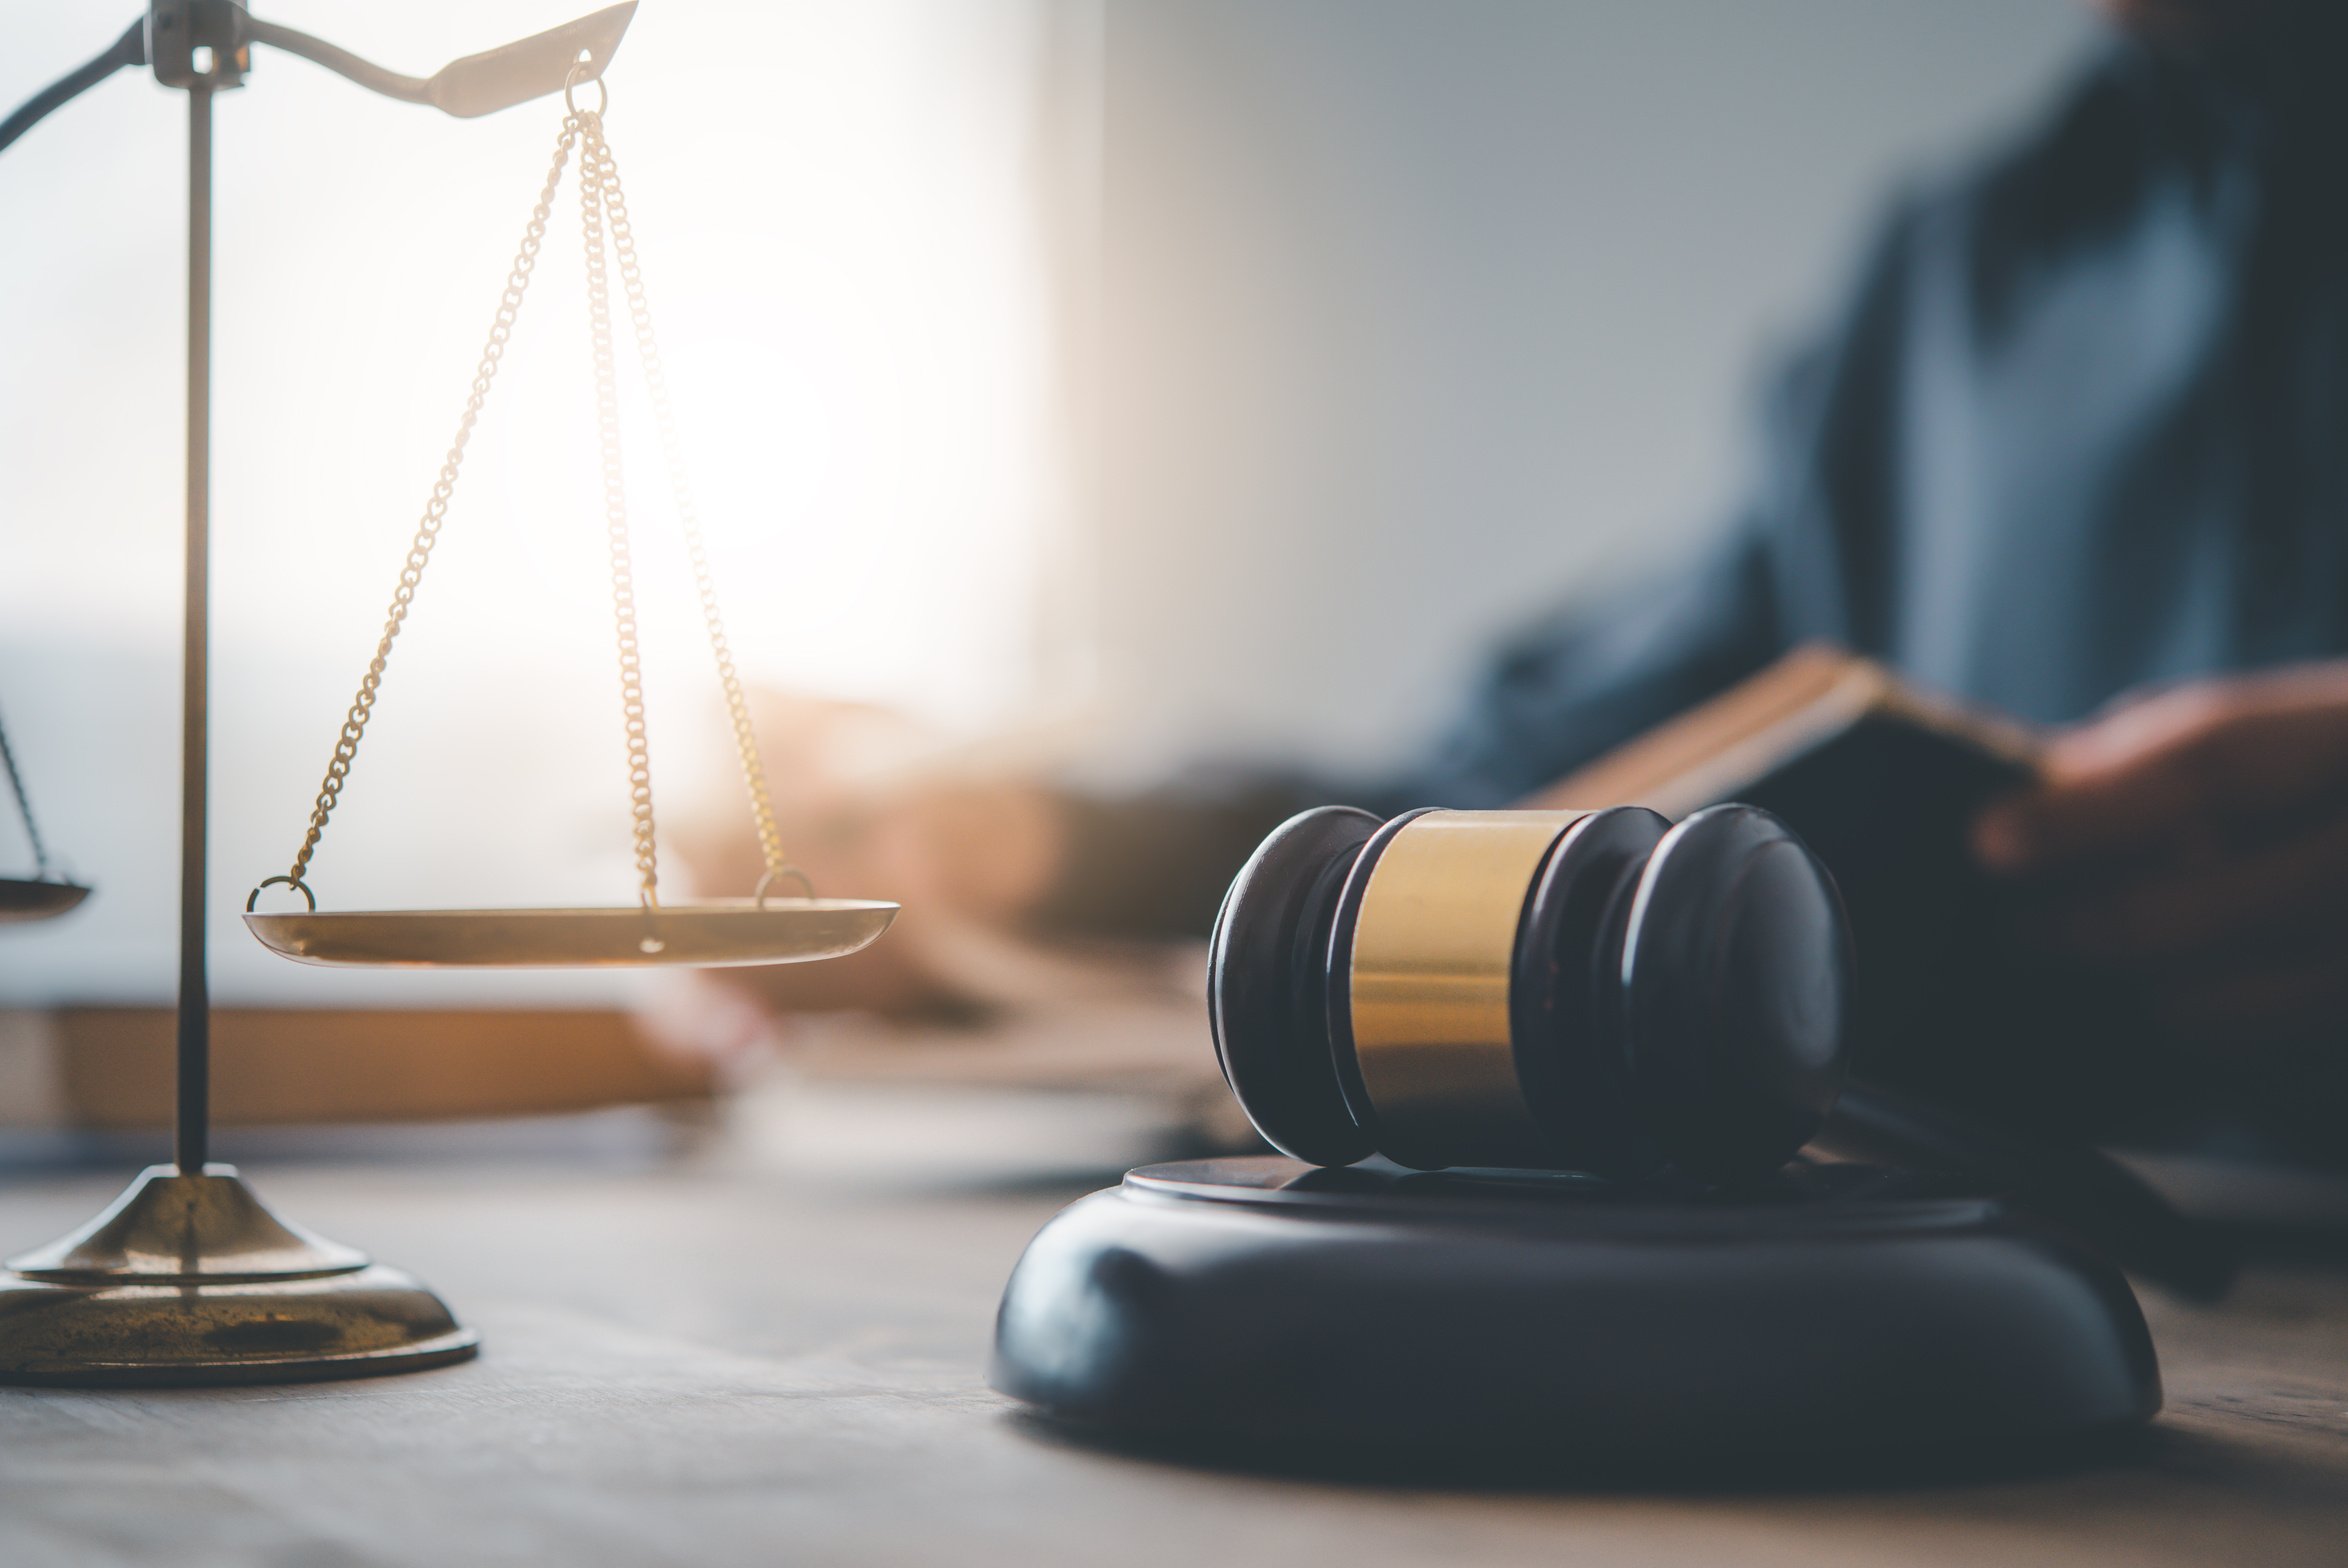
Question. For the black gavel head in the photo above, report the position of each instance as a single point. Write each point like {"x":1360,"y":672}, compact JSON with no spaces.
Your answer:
{"x":1597,"y":991}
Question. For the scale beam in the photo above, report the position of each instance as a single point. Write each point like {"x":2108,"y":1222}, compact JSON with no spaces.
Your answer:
{"x":172,"y":31}
{"x":479,"y":83}
{"x":129,"y":49}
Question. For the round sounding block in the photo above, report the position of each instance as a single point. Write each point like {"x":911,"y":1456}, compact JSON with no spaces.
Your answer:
{"x":1262,"y":1310}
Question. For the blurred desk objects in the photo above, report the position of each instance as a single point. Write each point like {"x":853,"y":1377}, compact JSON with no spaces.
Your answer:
{"x":83,"y":1082}
{"x":1101,"y":1063}
{"x":1109,"y":1068}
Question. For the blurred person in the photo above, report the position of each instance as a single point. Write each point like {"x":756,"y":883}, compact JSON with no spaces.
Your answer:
{"x":2071,"y":448}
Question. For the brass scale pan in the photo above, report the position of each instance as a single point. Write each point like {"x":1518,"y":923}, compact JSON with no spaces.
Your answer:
{"x":713,"y":934}
{"x":37,"y":898}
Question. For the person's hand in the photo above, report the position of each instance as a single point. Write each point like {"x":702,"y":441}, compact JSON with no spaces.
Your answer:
{"x":2196,"y":841}
{"x":866,"y":808}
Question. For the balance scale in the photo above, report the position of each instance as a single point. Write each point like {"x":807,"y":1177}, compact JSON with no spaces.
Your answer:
{"x":188,"y":1277}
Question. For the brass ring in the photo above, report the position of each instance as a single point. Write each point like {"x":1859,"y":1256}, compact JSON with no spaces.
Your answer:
{"x":296,"y":883}
{"x":575,"y":77}
{"x":1433,"y":951}
{"x":805,"y":882}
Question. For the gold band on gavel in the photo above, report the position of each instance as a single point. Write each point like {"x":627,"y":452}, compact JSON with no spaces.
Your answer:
{"x":1433,"y":947}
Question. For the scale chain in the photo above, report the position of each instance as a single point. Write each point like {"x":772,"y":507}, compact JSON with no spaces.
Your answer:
{"x":603,"y":214}
{"x":509,"y":306}
{"x":592,"y":154}
{"x":24,"y":807}
{"x":623,"y":244}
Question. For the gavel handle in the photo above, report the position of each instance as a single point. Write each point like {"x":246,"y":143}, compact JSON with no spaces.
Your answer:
{"x":2078,"y":1187}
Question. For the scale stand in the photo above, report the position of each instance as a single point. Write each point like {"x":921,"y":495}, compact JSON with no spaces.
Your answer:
{"x":187,"y":1277}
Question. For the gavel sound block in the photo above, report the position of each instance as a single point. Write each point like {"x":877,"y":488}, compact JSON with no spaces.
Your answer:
{"x":1541,"y":1080}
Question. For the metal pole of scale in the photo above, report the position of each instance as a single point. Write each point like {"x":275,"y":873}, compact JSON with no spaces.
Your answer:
{"x":248,"y":1297}
{"x":193,"y":1131}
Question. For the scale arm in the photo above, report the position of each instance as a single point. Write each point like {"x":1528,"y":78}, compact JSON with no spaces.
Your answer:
{"x":476,"y":85}
{"x":129,"y":49}
{"x":479,"y":83}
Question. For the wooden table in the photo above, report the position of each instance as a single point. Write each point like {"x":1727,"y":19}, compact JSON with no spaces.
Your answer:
{"x":706,"y":1364}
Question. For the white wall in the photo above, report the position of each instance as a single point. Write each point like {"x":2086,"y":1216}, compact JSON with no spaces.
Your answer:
{"x":1422,"y":313}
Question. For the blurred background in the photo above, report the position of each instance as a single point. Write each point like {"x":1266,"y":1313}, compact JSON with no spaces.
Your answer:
{"x":1166,"y":376}
{"x":1174,"y":369}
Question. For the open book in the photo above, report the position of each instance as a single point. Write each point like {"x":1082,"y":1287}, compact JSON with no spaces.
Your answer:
{"x":1817,"y":709}
{"x":1884,"y":780}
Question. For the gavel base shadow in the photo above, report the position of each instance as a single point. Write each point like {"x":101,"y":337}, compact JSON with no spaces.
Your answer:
{"x":1562,"y":1098}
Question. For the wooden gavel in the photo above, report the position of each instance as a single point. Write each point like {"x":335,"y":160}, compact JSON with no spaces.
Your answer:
{"x":1599,"y":991}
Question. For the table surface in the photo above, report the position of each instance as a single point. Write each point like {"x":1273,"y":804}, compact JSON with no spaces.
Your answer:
{"x":702,"y":1362}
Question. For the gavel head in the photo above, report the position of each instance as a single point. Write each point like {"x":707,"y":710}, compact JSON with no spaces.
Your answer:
{"x":1597,"y":991}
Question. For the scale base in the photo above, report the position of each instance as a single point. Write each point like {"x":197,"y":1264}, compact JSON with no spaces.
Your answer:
{"x":188,"y":1279}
